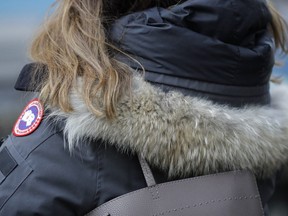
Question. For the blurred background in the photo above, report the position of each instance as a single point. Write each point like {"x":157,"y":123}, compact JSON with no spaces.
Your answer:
{"x":19,"y":20}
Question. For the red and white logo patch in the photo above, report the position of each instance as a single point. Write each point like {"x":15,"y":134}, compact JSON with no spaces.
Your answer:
{"x":30,"y":119}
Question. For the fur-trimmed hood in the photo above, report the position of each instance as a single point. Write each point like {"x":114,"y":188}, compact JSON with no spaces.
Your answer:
{"x":185,"y":135}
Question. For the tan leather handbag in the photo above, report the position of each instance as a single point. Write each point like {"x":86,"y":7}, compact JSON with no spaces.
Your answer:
{"x":224,"y":194}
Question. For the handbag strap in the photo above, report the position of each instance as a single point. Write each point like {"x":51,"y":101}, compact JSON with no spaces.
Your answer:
{"x":150,"y":180}
{"x":147,"y":201}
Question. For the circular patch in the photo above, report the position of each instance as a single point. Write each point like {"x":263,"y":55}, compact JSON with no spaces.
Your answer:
{"x":30,"y":119}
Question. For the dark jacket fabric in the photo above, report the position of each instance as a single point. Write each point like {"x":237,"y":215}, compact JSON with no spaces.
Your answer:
{"x":220,"y":50}
{"x":198,"y":55}
{"x":48,"y":180}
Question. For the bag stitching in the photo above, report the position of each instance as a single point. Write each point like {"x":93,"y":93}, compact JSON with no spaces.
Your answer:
{"x":237,"y":172}
{"x":251,"y":197}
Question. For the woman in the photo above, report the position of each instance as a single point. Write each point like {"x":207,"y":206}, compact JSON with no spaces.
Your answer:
{"x":203,"y":108}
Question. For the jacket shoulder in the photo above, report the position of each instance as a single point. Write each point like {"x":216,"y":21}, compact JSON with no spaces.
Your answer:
{"x":41,"y":174}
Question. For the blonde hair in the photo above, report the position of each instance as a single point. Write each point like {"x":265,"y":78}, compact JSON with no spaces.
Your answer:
{"x":279,"y":29}
{"x":73,"y":44}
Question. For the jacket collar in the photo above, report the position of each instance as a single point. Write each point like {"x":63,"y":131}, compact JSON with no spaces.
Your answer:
{"x":188,"y":135}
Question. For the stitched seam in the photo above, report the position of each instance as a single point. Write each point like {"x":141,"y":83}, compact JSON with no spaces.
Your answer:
{"x":260,"y":203}
{"x":33,"y":149}
{"x":14,"y":189}
{"x":99,"y":175}
{"x":237,"y":53}
{"x":154,"y":193}
{"x":238,"y":172}
{"x":251,"y":197}
{"x":157,"y":192}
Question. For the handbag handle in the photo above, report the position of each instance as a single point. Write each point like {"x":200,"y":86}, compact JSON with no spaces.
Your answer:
{"x":150,"y":180}
{"x":193,"y":196}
